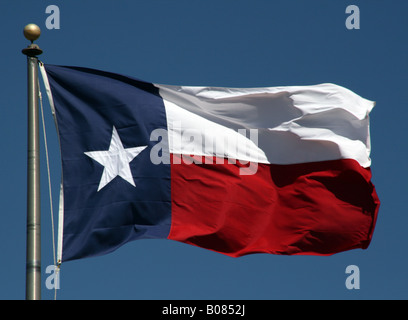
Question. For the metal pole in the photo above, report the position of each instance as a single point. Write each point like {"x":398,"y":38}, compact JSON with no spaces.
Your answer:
{"x":33,"y":257}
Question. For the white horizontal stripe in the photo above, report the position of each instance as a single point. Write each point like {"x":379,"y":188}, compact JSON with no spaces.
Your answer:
{"x":294,"y":124}
{"x":194,"y":135}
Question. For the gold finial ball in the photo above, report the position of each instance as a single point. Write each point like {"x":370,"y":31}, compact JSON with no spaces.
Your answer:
{"x":32,"y":32}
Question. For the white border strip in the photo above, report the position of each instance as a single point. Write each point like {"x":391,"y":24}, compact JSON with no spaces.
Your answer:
{"x":61,"y":200}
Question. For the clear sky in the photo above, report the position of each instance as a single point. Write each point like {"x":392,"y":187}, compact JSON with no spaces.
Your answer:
{"x":231,"y":43}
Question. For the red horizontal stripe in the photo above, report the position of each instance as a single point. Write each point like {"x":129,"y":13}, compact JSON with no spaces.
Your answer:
{"x":316,"y":208}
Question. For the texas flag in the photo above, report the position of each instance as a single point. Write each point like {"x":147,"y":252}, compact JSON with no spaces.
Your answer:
{"x":281,"y":170}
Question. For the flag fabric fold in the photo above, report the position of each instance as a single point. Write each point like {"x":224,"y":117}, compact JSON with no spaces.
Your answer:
{"x":282,"y":170}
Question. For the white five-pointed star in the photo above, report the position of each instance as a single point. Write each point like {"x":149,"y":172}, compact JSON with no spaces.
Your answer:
{"x":115,"y":160}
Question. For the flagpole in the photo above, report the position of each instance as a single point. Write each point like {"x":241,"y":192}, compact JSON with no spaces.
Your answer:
{"x":33,"y":249}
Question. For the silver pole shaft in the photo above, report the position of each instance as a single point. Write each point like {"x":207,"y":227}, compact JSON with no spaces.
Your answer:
{"x":33,"y":258}
{"x":33,"y":249}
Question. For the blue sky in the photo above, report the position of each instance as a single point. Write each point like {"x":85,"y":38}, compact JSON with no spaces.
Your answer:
{"x":231,"y":43}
